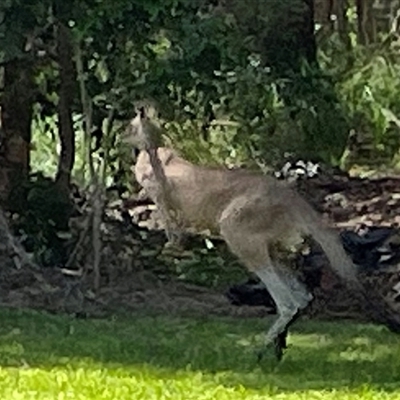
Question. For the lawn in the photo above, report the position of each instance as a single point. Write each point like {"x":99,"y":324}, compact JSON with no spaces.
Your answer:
{"x":160,"y":357}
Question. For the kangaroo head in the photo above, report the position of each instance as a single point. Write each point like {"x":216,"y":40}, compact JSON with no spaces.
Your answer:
{"x":143,"y":131}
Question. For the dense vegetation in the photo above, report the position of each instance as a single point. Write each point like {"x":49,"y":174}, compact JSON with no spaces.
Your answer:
{"x":234,"y":83}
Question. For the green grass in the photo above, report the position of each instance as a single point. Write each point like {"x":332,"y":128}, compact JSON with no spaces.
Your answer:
{"x":161,"y":357}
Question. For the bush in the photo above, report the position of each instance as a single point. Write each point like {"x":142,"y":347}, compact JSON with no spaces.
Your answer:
{"x":368,"y":87}
{"x":43,"y":219}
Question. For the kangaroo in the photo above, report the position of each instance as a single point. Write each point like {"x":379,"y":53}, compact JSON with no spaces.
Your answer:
{"x":259,"y":217}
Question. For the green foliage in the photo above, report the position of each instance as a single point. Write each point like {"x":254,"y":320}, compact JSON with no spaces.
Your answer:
{"x":206,"y":69}
{"x":214,"y":74}
{"x":43,"y":214}
{"x":18,"y":20}
{"x":205,"y":263}
{"x":371,"y":93}
{"x":198,"y":66}
{"x":44,"y":157}
{"x":246,"y":109}
{"x":164,"y":357}
{"x":319,"y":121}
{"x":369,"y":87}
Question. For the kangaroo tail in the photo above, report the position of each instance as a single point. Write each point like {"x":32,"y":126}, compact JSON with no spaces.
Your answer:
{"x":341,"y":263}
{"x":330,"y":242}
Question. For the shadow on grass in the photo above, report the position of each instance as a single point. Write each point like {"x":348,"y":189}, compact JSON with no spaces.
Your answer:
{"x":321,"y":355}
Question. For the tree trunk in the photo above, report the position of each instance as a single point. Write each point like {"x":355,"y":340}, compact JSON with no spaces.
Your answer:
{"x":290,"y":38}
{"x":323,"y":11}
{"x":67,"y":87}
{"x":16,"y":120}
{"x":283,"y":30}
{"x":343,"y":22}
{"x":366,"y":22}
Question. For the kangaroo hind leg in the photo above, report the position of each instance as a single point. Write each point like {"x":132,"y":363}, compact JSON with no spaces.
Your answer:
{"x":290,"y":297}
{"x":250,"y":237}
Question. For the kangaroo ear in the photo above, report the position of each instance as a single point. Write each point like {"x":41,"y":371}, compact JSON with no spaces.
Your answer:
{"x":142,"y":112}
